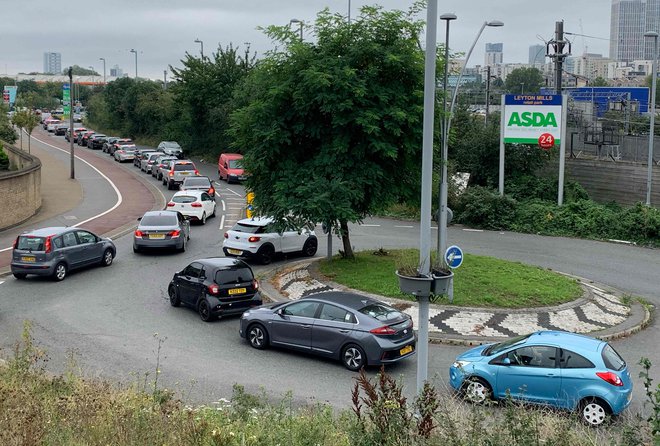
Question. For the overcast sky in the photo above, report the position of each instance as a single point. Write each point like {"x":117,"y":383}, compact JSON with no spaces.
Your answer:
{"x":162,"y":31}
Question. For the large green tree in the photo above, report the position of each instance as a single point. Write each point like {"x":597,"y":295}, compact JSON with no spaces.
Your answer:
{"x":524,"y":81}
{"x":331,"y":126}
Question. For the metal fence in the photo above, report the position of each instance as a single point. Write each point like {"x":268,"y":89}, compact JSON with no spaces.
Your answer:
{"x":630,"y":148}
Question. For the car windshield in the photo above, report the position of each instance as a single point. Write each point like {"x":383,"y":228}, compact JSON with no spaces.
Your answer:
{"x":181,"y":167}
{"x":497,"y":348}
{"x":170,"y":145}
{"x":184,"y":199}
{"x":380,"y":312}
{"x":159,"y":220}
{"x":233,"y":275}
{"x":612,"y":359}
{"x":197,"y":182}
{"x":124,"y":141}
{"x":251,"y":229}
{"x":30,"y":243}
{"x":235,"y":164}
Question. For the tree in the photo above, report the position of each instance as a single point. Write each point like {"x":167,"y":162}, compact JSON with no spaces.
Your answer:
{"x":331,"y":128}
{"x":19,"y":119}
{"x":31,"y":121}
{"x":7,"y":132}
{"x":599,"y":82}
{"x":524,"y":80}
{"x":77,"y":70}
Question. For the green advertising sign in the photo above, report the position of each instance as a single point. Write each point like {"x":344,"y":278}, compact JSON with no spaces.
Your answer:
{"x":66,"y":100}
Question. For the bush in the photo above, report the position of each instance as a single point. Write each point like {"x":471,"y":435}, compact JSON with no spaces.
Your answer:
{"x":483,"y":208}
{"x":4,"y":159}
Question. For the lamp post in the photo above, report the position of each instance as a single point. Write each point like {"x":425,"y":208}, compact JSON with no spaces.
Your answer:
{"x":201,"y":43}
{"x":349,"y":12}
{"x":300,"y":23}
{"x":654,"y":74}
{"x":103,"y":59}
{"x":71,"y":155}
{"x":133,"y":51}
{"x":442,"y":224}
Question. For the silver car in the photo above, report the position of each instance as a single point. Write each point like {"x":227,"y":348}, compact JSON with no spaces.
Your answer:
{"x":124,"y":153}
{"x":147,"y":162}
{"x":161,"y":165}
{"x":178,"y":170}
{"x":357,"y":330}
{"x":162,"y":229}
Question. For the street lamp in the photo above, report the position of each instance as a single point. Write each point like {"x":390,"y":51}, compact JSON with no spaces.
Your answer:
{"x":654,"y":74}
{"x":103,"y":59}
{"x":133,"y":51}
{"x":202,"y":47}
{"x":442,"y":224}
{"x":300,"y":23}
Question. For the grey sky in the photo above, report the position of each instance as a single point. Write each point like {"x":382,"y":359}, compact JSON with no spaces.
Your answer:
{"x":162,"y":31}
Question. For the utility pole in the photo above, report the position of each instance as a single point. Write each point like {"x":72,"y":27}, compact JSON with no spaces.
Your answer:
{"x":558,"y":45}
{"x":73,"y":171}
{"x":487,"y":94}
{"x":165,"y":79}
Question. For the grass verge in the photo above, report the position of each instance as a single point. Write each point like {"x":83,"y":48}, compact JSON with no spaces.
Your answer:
{"x":480,"y":282}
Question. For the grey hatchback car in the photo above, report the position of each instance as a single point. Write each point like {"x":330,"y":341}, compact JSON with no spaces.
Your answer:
{"x":162,"y":229}
{"x":57,"y":250}
{"x":357,"y":330}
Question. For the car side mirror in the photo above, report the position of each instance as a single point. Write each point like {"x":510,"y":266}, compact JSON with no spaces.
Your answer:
{"x":506,"y":361}
{"x":140,"y":218}
{"x":280,"y":312}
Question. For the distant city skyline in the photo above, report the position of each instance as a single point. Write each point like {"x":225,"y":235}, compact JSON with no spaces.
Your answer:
{"x":52,"y":63}
{"x":630,"y":19}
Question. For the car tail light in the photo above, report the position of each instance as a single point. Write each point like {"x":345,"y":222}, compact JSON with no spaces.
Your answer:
{"x":611,"y":378}
{"x":196,"y":172}
{"x":226,"y":235}
{"x":170,"y":204}
{"x":171,"y":173}
{"x":255,"y":284}
{"x":213,"y":289}
{"x":16,"y":241}
{"x":211,"y":191}
{"x":253,"y":239}
{"x":48,"y":245}
{"x":174,"y":233}
{"x":138,"y":233}
{"x":120,"y":151}
{"x":384,"y":330}
{"x":196,"y":205}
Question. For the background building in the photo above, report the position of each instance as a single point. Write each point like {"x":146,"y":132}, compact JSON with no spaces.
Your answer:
{"x":53,"y":63}
{"x":536,"y":55}
{"x":630,"y":19}
{"x":494,"y":54}
{"x":116,"y":71}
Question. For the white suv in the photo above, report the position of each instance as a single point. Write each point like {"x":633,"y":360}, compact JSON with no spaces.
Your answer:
{"x":255,"y":237}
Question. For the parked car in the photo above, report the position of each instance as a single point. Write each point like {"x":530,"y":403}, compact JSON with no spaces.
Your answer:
{"x":159,"y":164}
{"x":198,"y":183}
{"x":95,"y":141}
{"x":357,"y":330}
{"x":124,"y":153}
{"x":553,"y":368}
{"x":161,"y":229}
{"x":171,"y":148}
{"x":195,"y":204}
{"x":148,"y":161}
{"x":121,"y":142}
{"x":55,"y":251}
{"x":256,"y":238}
{"x":215,"y":287}
{"x":84,"y":137}
{"x":140,"y":154}
{"x":178,"y":170}
{"x":109,"y":141}
{"x":230,"y":167}
{"x":60,"y":129}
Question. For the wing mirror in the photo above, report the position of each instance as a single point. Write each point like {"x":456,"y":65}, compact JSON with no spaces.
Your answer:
{"x":506,"y":361}
{"x":280,"y":312}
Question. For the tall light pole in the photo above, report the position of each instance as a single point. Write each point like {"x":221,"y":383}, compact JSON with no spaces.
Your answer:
{"x":349,"y":12}
{"x":654,"y":74}
{"x":300,"y":23}
{"x":442,"y":224}
{"x":201,"y":43}
{"x":71,"y":156}
{"x":103,"y":59}
{"x":133,"y":51}
{"x":164,"y":79}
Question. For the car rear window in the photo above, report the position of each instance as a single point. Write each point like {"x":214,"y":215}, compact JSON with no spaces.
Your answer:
{"x":612,"y":359}
{"x":159,"y":220}
{"x":233,"y":275}
{"x":196,"y":182}
{"x":30,"y":243}
{"x":381,"y":312}
{"x":184,"y":199}
{"x":124,"y":141}
{"x":181,"y":167}
{"x":251,"y":229}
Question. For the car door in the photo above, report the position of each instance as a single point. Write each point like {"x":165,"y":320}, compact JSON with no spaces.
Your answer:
{"x":292,"y":325}
{"x":189,"y":283}
{"x":72,"y":251}
{"x":208,"y":203}
{"x":91,"y":247}
{"x":331,"y":329}
{"x":531,"y":374}
{"x":577,"y":372}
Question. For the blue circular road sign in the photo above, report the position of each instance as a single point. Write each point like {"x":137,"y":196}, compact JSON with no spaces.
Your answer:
{"x":454,"y":256}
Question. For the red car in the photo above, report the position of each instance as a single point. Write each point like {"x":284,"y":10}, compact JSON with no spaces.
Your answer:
{"x":230,"y":167}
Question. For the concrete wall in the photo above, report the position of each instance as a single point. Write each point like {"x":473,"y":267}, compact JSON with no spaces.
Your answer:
{"x":20,"y":187}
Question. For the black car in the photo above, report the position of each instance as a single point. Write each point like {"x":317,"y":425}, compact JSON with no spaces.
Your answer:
{"x":95,"y":142}
{"x":215,"y":287}
{"x":61,"y":129}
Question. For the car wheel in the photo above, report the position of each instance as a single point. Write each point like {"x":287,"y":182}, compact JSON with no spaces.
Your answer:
{"x":214,"y":207}
{"x":136,"y":249}
{"x":107,"y":258}
{"x":174,"y":297}
{"x":593,"y":412}
{"x":353,"y":357}
{"x":257,"y":336}
{"x":60,"y":272}
{"x":20,"y":276}
{"x":204,"y":310}
{"x":477,"y":391}
{"x":203,"y":220}
{"x":265,"y":254}
{"x":310,"y":247}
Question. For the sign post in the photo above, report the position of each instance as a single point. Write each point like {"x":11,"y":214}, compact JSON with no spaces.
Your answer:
{"x":453,"y":259}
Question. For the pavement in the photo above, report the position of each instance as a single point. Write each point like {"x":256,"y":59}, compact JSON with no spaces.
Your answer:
{"x":601,"y":312}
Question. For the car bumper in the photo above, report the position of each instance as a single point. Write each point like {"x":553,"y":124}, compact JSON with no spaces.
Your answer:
{"x":232,"y":177}
{"x":40,"y":269}
{"x":392,"y":352}
{"x":227,"y":308}
{"x":194,"y":215}
{"x":176,"y":243}
{"x":231,"y":251}
{"x":122,"y":158}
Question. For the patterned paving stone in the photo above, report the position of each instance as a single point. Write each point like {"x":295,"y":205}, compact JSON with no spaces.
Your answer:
{"x":595,"y":313}
{"x":521,"y":323}
{"x":473,"y":323}
{"x":567,"y":320}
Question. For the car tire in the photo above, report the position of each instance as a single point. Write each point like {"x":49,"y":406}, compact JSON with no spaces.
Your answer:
{"x":353,"y":357}
{"x":477,"y":390}
{"x":170,"y":185}
{"x":174,"y":297}
{"x":310,"y":247}
{"x":257,"y":336}
{"x":213,"y":214}
{"x":60,"y":272}
{"x":266,"y":254}
{"x":20,"y":276}
{"x":204,"y":310}
{"x":203,"y":220}
{"x":107,"y":258}
{"x":593,"y":412}
{"x":136,"y":249}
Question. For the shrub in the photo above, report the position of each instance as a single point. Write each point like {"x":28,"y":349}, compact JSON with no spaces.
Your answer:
{"x":4,"y":159}
{"x":484,"y":208}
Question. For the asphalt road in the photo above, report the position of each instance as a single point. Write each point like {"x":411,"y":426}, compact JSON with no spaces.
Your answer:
{"x":117,"y":323}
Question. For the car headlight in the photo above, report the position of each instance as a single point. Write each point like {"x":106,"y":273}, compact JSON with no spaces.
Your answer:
{"x":460,"y":364}
{"x":245,"y":314}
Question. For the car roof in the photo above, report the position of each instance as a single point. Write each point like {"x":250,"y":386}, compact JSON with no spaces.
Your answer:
{"x":196,"y":177}
{"x":566,"y":339}
{"x":256,"y":221}
{"x":195,"y":192}
{"x":150,"y":213}
{"x":44,"y":232}
{"x":222,"y":262}
{"x":232,"y":155}
{"x":350,"y":300}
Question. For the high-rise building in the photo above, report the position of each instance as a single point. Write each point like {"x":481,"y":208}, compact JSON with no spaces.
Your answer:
{"x":630,"y":19}
{"x":53,"y":63}
{"x":493,"y":54}
{"x":116,"y":71}
{"x":536,"y":55}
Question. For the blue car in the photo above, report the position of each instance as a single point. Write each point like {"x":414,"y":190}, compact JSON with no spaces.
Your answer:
{"x":554,"y":368}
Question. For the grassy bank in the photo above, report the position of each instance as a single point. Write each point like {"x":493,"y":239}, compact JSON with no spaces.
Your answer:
{"x":481,"y":281}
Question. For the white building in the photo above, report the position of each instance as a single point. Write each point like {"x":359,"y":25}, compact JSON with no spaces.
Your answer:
{"x":53,"y":63}
{"x":494,"y":54}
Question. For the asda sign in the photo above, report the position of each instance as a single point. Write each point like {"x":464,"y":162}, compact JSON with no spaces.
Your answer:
{"x":527,"y":117}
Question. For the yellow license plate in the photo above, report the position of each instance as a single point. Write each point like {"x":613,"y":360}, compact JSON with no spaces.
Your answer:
{"x":405,"y":350}
{"x":237,"y":291}
{"x":184,"y":173}
{"x":29,"y":259}
{"x":236,"y":252}
{"x":156,"y":236}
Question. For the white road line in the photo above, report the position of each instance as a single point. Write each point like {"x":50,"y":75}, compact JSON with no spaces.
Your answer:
{"x":403,"y":226}
{"x":1,"y":282}
{"x":473,"y":230}
{"x":119,"y":196}
{"x":235,"y":209}
{"x":434,"y":227}
{"x":371,"y":226}
{"x":222,"y":222}
{"x":235,"y":193}
{"x":239,"y":199}
{"x":223,"y":205}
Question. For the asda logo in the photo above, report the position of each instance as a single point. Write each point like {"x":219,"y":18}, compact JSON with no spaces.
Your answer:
{"x":532,"y":119}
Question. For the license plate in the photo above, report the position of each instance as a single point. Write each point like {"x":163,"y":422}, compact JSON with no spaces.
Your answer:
{"x":405,"y":350}
{"x":236,"y":252}
{"x":237,"y":291}
{"x":28,"y":259}
{"x":156,"y":236}
{"x":184,"y":173}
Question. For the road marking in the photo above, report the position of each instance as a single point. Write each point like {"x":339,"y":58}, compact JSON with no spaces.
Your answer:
{"x":235,"y":193}
{"x":1,"y":282}
{"x":222,"y":222}
{"x":120,"y":199}
{"x":223,"y":205}
{"x":371,"y":226}
{"x":474,"y":230}
{"x":403,"y":226}
{"x":235,"y":209}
